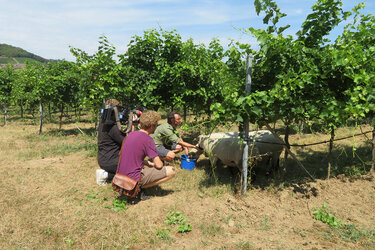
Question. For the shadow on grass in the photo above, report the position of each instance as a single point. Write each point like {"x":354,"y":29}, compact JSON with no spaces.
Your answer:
{"x":67,"y":121}
{"x":345,"y":162}
{"x":68,"y":132}
{"x":220,"y":175}
{"x":158,"y":191}
{"x":29,"y":119}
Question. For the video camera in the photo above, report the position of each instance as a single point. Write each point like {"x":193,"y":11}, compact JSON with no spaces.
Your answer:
{"x":108,"y":114}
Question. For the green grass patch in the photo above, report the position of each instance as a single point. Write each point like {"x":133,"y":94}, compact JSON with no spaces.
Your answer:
{"x":119,"y":204}
{"x":58,"y":145}
{"x":326,"y":216}
{"x":347,"y":232}
{"x":163,"y":234}
{"x":211,"y":229}
{"x":178,"y":218}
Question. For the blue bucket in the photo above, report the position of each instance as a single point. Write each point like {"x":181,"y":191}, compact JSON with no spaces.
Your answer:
{"x":187,"y":163}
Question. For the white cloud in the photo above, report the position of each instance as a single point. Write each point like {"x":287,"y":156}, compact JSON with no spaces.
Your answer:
{"x":299,"y":11}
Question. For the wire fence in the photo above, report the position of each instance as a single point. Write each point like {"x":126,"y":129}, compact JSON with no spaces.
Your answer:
{"x":316,"y":143}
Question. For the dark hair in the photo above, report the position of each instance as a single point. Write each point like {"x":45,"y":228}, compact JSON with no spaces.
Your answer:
{"x":170,"y":116}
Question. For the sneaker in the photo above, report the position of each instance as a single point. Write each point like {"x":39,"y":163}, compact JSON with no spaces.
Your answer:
{"x":101,"y":177}
{"x":143,"y":196}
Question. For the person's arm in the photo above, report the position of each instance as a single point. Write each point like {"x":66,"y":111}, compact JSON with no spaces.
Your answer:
{"x":152,"y":153}
{"x":188,"y":145}
{"x":117,"y":135}
{"x":157,"y":163}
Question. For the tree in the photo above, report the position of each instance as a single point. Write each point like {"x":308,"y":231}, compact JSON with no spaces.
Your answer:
{"x":6,"y":78}
{"x":99,"y":74}
{"x":150,"y":64}
{"x":62,"y":80}
{"x":25,"y":82}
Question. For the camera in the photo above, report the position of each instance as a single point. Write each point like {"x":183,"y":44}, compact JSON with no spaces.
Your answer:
{"x":108,"y":114}
{"x":124,"y":112}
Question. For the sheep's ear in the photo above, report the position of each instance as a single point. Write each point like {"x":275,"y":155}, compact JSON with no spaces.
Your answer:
{"x":199,"y":139}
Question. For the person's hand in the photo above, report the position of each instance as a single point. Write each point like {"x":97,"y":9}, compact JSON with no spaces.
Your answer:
{"x":135,"y":118}
{"x":151,"y":164}
{"x":148,"y":163}
{"x":179,"y":148}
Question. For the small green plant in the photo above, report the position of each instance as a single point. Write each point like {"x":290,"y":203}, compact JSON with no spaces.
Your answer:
{"x":174,"y":218}
{"x":135,"y":238}
{"x":326,"y":216}
{"x":178,"y":218}
{"x":184,"y":228}
{"x":265,"y":225}
{"x":163,"y":234}
{"x":244,"y":245}
{"x":227,"y":219}
{"x":211,"y":230}
{"x":349,"y":232}
{"x":48,"y":231}
{"x":118,"y":204}
{"x":92,"y":195}
{"x":70,"y":241}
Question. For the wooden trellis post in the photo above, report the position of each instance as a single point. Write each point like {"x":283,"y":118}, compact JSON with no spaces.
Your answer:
{"x":245,"y":155}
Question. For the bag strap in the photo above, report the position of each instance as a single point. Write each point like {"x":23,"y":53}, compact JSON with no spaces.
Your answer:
{"x":120,"y":153}
{"x":118,"y":164}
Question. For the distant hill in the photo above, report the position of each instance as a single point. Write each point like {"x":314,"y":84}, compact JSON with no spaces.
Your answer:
{"x":17,"y":56}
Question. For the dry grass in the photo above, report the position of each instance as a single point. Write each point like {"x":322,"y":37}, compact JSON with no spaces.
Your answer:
{"x":49,"y":199}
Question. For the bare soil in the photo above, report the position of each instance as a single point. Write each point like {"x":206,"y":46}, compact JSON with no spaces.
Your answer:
{"x":51,"y":200}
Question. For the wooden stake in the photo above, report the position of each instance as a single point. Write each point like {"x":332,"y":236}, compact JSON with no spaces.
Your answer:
{"x":330,"y":152}
{"x":286,"y":138}
{"x":40,"y":117}
{"x":373,"y":151}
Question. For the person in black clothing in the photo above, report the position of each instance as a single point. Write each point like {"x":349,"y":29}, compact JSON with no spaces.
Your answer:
{"x":110,"y":139}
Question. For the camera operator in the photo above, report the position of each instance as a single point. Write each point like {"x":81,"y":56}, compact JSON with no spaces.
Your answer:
{"x":110,"y":137}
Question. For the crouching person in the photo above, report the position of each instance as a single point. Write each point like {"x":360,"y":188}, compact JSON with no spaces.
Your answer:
{"x":136,"y":147}
{"x":168,"y":143}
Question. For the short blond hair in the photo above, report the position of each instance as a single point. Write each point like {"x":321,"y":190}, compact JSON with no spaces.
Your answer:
{"x":148,"y":119}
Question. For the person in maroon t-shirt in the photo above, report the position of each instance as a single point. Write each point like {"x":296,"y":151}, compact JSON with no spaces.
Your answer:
{"x":137,"y":146}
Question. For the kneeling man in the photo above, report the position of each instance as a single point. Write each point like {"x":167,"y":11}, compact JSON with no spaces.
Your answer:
{"x":139,"y":158}
{"x":168,"y":143}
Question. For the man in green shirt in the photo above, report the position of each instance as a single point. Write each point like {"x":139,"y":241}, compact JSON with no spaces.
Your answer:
{"x":167,"y":142}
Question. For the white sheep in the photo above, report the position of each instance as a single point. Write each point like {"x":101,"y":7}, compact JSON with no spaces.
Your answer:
{"x":227,"y":147}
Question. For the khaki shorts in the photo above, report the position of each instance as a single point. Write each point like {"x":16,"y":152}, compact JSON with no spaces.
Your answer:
{"x":150,"y":175}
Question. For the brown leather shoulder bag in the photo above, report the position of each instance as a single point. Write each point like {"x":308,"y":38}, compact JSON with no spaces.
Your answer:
{"x":126,"y":185}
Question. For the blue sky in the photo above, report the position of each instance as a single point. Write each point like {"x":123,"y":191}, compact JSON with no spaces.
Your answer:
{"x":48,"y":27}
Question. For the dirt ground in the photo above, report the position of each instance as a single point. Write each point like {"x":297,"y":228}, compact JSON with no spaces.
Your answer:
{"x":50,"y":200}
